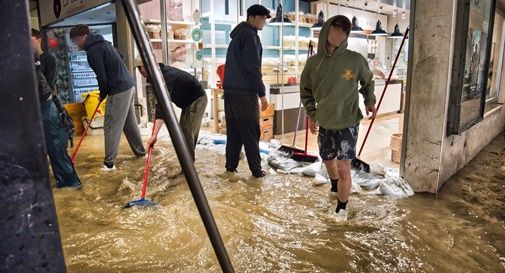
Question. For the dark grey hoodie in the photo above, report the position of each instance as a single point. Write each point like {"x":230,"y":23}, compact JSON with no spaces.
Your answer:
{"x":111,"y":72}
{"x":242,"y":73}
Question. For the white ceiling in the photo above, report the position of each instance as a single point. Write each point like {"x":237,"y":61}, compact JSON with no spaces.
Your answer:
{"x":104,"y":14}
{"x":388,"y":6}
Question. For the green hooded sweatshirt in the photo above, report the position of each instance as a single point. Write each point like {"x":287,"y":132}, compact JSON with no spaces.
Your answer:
{"x":329,"y":85}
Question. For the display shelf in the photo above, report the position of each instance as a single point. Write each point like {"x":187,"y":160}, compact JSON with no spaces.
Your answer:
{"x":83,"y":77}
{"x":174,"y":41}
{"x":85,"y":85}
{"x":216,"y":46}
{"x":172,"y":23}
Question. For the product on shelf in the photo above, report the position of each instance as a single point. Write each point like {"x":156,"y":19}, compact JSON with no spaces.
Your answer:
{"x":154,"y":31}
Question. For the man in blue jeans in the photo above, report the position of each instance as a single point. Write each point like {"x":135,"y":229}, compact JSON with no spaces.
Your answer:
{"x":115,"y":83}
{"x":56,"y":137}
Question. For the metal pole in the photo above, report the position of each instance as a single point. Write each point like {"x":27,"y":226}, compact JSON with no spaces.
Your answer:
{"x":164,"y":42}
{"x":180,"y":145}
{"x":29,"y":235}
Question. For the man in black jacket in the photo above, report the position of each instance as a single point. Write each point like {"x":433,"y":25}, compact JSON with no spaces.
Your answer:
{"x":49,"y":70}
{"x":187,"y":93}
{"x":242,"y":87}
{"x":54,"y":135}
{"x":116,"y":83}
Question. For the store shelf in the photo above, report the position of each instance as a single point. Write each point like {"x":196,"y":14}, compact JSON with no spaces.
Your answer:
{"x":173,"y":23}
{"x":85,"y":85}
{"x":272,"y":47}
{"x":216,"y":46}
{"x":85,"y":77}
{"x":174,"y":41}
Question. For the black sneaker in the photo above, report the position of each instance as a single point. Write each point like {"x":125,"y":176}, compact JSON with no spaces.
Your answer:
{"x":260,"y":174}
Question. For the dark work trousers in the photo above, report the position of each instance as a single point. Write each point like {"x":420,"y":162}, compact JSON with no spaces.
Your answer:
{"x":56,"y":143}
{"x":242,"y":128}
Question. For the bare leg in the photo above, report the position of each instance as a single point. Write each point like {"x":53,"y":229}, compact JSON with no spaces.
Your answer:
{"x":344,"y":179}
{"x":331,"y":167}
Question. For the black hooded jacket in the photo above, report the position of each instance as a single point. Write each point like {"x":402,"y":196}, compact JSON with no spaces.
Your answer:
{"x":111,"y":72}
{"x":242,"y":73}
{"x":184,"y":89}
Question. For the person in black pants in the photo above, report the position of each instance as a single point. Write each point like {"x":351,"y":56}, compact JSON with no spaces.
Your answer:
{"x":242,"y":86}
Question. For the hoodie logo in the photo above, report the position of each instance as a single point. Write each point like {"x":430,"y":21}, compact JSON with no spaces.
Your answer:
{"x":347,"y":75}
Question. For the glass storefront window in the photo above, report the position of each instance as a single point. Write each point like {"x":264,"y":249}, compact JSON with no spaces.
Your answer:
{"x":496,"y":62}
{"x":471,"y":82}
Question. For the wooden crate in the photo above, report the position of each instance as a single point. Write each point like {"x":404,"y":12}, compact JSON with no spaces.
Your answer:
{"x":269,"y":112}
{"x":267,"y":122}
{"x":396,"y":147}
{"x":267,"y":134}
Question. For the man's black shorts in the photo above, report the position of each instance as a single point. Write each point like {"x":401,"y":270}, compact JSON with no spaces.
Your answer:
{"x":339,"y":144}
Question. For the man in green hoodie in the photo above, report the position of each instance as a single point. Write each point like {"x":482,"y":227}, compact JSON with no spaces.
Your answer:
{"x":329,"y":93}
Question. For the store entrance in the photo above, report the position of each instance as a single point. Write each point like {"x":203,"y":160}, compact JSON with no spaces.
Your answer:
{"x":75,"y":76}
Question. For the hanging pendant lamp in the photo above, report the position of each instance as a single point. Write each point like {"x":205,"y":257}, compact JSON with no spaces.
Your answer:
{"x":279,"y":17}
{"x":378,"y":27}
{"x":396,"y":34}
{"x":378,"y":30}
{"x":355,"y":27}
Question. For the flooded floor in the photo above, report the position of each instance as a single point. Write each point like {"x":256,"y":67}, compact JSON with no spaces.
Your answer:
{"x":279,"y":224}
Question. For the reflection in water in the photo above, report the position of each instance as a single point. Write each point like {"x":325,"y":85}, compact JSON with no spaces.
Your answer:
{"x":280,"y":224}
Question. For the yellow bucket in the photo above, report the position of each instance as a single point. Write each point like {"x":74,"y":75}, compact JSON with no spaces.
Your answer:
{"x":91,"y":100}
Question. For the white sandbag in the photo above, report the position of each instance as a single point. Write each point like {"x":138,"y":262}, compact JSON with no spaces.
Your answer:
{"x":355,"y":188}
{"x":282,"y":163}
{"x":312,"y":169}
{"x":319,"y":180}
{"x":395,"y":187}
{"x":369,"y":184}
{"x":324,"y":171}
{"x":377,"y":169}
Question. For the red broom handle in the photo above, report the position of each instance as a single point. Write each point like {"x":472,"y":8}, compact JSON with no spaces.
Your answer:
{"x":306,"y":132}
{"x":384,"y":91}
{"x":84,"y":134}
{"x":146,"y":169}
{"x":146,"y":173}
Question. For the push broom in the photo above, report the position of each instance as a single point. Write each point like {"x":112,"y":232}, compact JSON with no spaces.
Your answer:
{"x":304,"y":156}
{"x":357,"y":163}
{"x":142,"y":201}
{"x":293,"y":149}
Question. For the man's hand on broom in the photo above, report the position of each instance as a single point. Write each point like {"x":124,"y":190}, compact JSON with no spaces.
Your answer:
{"x":314,"y":127}
{"x":152,"y":141}
{"x":370,"y":109}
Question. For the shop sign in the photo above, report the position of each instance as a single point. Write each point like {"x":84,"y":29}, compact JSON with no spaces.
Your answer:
{"x":52,"y":11}
{"x":199,"y":54}
{"x":196,"y":34}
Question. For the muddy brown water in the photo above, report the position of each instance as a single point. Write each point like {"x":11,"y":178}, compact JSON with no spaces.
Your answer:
{"x":279,"y":224}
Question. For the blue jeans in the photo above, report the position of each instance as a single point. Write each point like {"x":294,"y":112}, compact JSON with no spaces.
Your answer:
{"x":56,"y":144}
